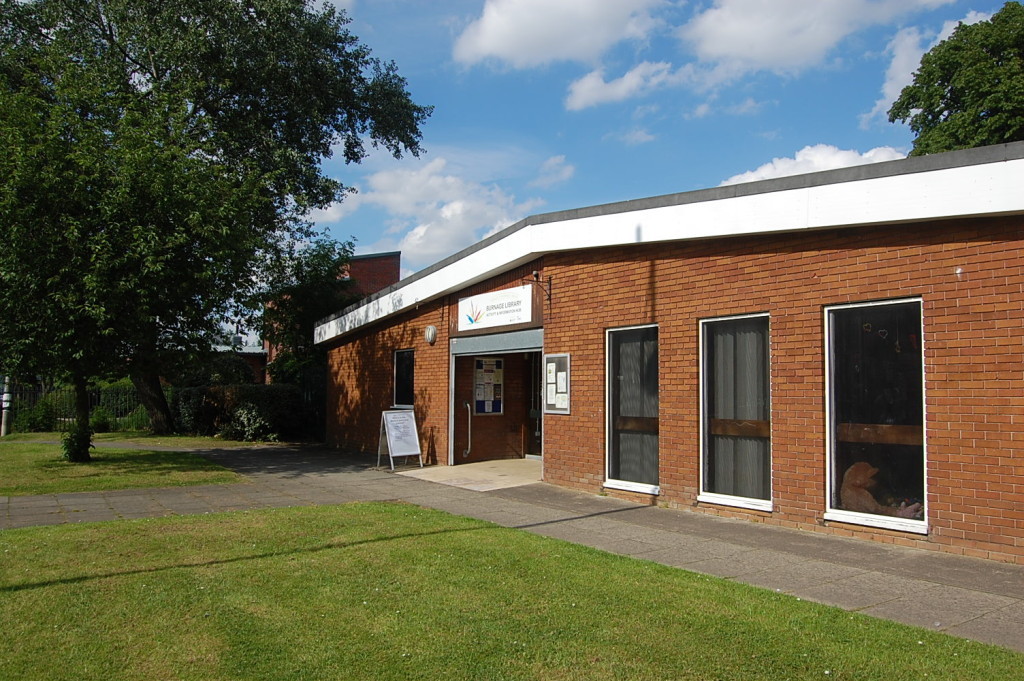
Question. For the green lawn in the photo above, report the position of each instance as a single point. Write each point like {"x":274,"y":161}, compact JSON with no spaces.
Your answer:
{"x":31,"y":464}
{"x":388,"y":591}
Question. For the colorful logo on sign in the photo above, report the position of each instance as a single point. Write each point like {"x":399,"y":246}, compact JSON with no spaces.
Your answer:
{"x":498,"y":308}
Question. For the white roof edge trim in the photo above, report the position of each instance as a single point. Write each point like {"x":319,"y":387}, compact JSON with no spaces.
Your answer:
{"x":977,"y":190}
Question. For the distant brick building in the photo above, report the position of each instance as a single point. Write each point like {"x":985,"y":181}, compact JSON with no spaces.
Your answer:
{"x":739,"y":351}
{"x":373,"y":272}
{"x":369,"y":273}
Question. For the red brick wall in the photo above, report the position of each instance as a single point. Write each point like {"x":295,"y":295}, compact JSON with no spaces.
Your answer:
{"x":968,"y":274}
{"x":971,"y":279}
{"x":371,"y":273}
{"x":360,"y":383}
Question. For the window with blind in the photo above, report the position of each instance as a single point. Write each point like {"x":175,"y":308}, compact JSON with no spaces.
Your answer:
{"x":736,"y":413}
{"x":633,"y":409}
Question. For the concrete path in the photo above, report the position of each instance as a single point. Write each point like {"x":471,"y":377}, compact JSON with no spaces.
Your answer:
{"x":965,"y":597}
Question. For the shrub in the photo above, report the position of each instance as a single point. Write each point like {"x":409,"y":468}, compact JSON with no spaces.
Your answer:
{"x":76,"y":443}
{"x":193,"y":412}
{"x":118,"y":397}
{"x":249,"y":424}
{"x":138,"y":419}
{"x":39,"y":418}
{"x":245,"y":412}
{"x":101,"y":420}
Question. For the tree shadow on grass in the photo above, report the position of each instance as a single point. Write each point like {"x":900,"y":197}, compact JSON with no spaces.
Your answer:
{"x":138,"y":462}
{"x":294,"y":551}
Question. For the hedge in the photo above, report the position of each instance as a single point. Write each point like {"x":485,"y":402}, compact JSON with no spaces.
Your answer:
{"x":241,"y":412}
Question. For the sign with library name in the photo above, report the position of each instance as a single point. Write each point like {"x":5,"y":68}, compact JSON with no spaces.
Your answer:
{"x":500,"y":308}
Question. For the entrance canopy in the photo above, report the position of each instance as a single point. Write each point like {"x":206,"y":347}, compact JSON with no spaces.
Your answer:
{"x":512,"y":341}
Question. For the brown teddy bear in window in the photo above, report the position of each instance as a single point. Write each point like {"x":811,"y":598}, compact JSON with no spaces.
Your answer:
{"x":855,"y":495}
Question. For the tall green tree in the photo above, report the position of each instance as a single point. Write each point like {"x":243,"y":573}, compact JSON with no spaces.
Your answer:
{"x":969,"y":89}
{"x":157,"y":156}
{"x":304,"y":287}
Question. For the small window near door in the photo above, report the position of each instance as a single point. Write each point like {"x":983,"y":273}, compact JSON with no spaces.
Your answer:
{"x":404,"y":370}
{"x":736,"y":425}
{"x":876,"y":410}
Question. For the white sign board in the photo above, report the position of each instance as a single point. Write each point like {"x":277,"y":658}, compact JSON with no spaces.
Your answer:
{"x":500,"y":308}
{"x":398,"y":436}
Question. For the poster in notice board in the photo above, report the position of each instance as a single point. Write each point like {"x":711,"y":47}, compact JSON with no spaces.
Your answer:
{"x":556,"y":384}
{"x":488,"y":386}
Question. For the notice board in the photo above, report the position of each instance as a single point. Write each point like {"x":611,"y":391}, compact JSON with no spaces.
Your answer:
{"x":398,"y":436}
{"x":556,"y":384}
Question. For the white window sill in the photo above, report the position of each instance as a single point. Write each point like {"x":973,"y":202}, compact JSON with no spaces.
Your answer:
{"x":881,"y":521}
{"x":627,"y":486}
{"x":736,"y":502}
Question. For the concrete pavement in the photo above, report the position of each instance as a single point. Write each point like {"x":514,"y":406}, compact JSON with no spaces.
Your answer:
{"x":965,"y":597}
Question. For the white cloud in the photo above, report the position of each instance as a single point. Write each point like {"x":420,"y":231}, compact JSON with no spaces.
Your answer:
{"x":906,"y":49}
{"x":592,"y":89}
{"x":638,"y":136}
{"x":529,"y":33}
{"x":812,"y":159}
{"x":336,"y":211}
{"x":747,"y":107}
{"x":702,"y":110}
{"x":784,"y":36}
{"x":554,"y":171}
{"x":435,"y":213}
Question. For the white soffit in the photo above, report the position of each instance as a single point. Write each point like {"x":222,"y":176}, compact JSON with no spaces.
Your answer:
{"x":974,"y":190}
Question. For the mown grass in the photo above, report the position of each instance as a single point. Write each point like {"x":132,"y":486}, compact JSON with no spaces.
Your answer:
{"x":32,"y":464}
{"x":388,"y":591}
{"x":138,"y":438}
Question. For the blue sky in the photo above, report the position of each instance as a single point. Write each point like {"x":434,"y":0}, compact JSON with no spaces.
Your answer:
{"x":546,"y":105}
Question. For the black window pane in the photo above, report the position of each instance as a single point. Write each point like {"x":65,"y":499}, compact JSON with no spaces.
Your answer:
{"x":404,"y":365}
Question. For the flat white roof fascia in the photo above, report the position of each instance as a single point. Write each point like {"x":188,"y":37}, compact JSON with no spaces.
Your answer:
{"x":945,"y":192}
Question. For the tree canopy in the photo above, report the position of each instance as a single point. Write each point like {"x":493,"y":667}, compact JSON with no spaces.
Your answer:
{"x":969,"y":89}
{"x":158,"y":156}
{"x":304,"y":288}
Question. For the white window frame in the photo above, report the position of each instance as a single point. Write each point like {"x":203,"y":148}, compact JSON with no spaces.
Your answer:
{"x":609,"y":482}
{"x":728,"y":499}
{"x":394,"y":378}
{"x":870,"y":519}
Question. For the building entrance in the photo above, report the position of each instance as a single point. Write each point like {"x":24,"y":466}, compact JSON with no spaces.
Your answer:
{"x":496,"y":407}
{"x":495,"y":396}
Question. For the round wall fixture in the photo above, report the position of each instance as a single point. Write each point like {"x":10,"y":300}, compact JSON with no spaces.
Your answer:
{"x":430,"y":334}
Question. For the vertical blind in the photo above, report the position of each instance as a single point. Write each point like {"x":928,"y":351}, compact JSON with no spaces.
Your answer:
{"x":634,"y":406}
{"x":737,"y":458}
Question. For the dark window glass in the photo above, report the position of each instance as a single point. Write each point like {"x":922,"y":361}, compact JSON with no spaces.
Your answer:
{"x":877,"y":409}
{"x":404,"y":366}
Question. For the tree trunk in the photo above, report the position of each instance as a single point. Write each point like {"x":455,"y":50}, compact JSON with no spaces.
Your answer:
{"x":151,"y":394}
{"x":78,"y":440}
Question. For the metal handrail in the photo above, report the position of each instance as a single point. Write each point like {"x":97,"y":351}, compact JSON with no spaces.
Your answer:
{"x":469,"y":430}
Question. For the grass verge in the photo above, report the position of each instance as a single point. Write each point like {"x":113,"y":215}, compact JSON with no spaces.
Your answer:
{"x":387,"y":591}
{"x":30,"y":465}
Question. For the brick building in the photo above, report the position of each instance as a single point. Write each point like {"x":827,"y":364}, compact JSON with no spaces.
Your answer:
{"x":368,"y":274}
{"x":840,"y":352}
